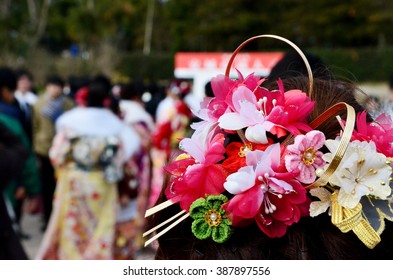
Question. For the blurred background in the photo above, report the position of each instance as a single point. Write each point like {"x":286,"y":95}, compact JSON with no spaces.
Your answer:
{"x":84,"y":37}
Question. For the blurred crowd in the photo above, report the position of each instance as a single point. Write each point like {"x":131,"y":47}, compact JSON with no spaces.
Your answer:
{"x":87,"y":155}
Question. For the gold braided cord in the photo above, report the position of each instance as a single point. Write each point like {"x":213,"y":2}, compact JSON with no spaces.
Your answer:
{"x":345,"y":219}
{"x":367,"y":234}
{"x":297,"y":49}
{"x":351,"y":219}
{"x":345,"y":139}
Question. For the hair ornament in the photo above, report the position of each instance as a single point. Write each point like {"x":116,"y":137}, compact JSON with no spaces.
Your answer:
{"x":255,"y":158}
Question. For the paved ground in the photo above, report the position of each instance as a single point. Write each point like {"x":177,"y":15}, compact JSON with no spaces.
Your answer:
{"x":31,"y":225}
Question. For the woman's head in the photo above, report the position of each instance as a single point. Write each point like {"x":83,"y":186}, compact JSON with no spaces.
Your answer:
{"x":7,"y":84}
{"x":131,"y":91}
{"x":306,"y":238}
{"x":289,"y":168}
{"x":98,"y":95}
{"x":54,"y":86}
{"x":24,"y":80}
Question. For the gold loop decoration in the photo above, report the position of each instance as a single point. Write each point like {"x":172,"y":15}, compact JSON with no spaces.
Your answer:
{"x":297,"y":49}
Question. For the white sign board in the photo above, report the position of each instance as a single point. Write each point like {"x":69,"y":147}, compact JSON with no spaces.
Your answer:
{"x":201,"y":67}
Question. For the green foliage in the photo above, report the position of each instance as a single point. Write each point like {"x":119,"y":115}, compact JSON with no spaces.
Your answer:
{"x":338,"y":30}
{"x":205,"y":25}
{"x":152,"y":67}
{"x":360,"y":64}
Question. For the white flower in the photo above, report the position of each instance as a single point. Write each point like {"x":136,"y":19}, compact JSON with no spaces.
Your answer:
{"x":319,"y":207}
{"x":362,"y":171}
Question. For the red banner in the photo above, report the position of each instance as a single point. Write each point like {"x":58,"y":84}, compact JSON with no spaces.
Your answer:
{"x":262,"y":61}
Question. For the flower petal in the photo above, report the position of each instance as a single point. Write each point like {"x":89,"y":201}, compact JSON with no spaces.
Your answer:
{"x":284,"y":209}
{"x":316,"y":139}
{"x":241,"y":96}
{"x":256,"y":134}
{"x":246,"y":204}
{"x":198,"y":209}
{"x":240,"y":181}
{"x":215,"y":201}
{"x":201,"y":229}
{"x":307,"y":174}
{"x":221,"y":233}
{"x":318,"y":207}
{"x":232,"y":121}
{"x":274,"y":229}
{"x":347,"y":200}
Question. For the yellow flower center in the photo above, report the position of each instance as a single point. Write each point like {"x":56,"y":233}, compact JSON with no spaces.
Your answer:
{"x":213,"y":218}
{"x":182,"y":156}
{"x":309,"y":156}
{"x":244,"y":149}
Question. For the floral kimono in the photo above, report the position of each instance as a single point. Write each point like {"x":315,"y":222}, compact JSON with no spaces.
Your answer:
{"x":89,"y":150}
{"x":135,"y":188}
{"x":172,"y":125}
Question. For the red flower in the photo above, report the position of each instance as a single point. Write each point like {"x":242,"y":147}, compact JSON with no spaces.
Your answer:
{"x":81,"y":96}
{"x":379,"y":131}
{"x":198,"y":174}
{"x":293,"y":206}
{"x":236,"y":152}
{"x":265,"y":193}
{"x":162,"y":135}
{"x":198,"y":181}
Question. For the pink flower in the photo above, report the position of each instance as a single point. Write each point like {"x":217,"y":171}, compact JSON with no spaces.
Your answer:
{"x":223,"y":88}
{"x":288,"y":110}
{"x":247,"y":112}
{"x":304,"y":156}
{"x":198,"y":173}
{"x":251,"y":82}
{"x":263,"y":193}
{"x":260,"y":111}
{"x":379,"y":131}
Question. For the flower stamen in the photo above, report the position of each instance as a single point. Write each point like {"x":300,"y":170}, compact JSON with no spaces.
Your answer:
{"x":213,"y":218}
{"x":262,"y":105}
{"x":269,"y":207}
{"x":372,"y":171}
{"x":243,"y":150}
{"x":309,"y":156}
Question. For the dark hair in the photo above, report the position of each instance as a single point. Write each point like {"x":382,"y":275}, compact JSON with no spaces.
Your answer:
{"x":310,"y":238}
{"x":77,"y":82}
{"x":130,"y":91}
{"x":7,"y":78}
{"x":97,"y":94}
{"x":23,"y":72}
{"x":292,"y":65}
{"x":209,"y":90}
{"x":103,"y":81}
{"x":391,"y":82}
{"x":55,"y":80}
{"x":180,"y":88}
